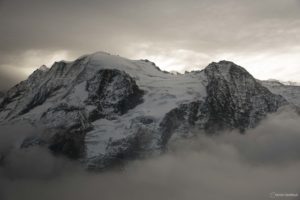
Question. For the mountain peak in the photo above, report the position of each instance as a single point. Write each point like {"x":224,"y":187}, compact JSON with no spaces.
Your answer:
{"x":224,"y":65}
{"x":101,"y":53}
{"x":227,"y":70}
{"x":43,"y":68}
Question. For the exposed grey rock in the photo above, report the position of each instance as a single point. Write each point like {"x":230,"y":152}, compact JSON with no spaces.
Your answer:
{"x":235,"y":100}
{"x":112,"y":92}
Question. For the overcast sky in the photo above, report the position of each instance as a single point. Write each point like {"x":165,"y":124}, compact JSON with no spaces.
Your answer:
{"x":261,"y":35}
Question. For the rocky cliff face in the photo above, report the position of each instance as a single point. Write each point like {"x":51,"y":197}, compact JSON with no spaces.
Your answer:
{"x":112,"y":92}
{"x":235,"y":100}
{"x":104,"y":109}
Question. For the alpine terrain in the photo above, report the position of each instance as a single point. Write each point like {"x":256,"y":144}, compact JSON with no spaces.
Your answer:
{"x":103,"y":109}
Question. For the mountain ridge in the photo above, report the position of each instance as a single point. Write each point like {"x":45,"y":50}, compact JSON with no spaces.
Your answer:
{"x":104,"y":109}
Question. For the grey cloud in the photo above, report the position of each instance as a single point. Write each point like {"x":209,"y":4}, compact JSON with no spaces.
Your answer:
{"x":7,"y":81}
{"x":27,"y":163}
{"x":208,"y":27}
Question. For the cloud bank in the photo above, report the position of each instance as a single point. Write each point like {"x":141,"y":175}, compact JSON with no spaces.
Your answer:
{"x":262,"y":35}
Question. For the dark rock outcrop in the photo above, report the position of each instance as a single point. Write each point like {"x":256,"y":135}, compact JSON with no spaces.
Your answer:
{"x":112,"y":92}
{"x":236,"y":99}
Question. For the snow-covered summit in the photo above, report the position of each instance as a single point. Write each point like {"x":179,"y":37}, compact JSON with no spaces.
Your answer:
{"x":104,"y":109}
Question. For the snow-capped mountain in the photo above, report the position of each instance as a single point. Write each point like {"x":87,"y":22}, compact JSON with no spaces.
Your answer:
{"x":104,"y":109}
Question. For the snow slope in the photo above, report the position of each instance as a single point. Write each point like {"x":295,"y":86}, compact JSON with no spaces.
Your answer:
{"x":290,"y":92}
